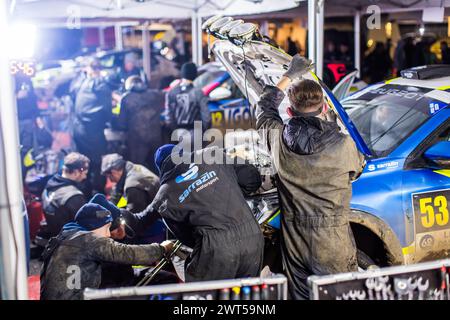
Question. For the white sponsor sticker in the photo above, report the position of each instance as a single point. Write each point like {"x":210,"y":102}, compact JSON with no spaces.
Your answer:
{"x":443,"y":96}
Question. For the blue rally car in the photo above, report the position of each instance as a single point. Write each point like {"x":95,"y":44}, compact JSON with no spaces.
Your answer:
{"x":404,"y":131}
{"x":228,"y":107}
{"x":401,"y":201}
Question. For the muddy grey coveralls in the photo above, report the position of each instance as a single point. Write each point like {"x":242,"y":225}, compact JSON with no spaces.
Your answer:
{"x":315,"y":164}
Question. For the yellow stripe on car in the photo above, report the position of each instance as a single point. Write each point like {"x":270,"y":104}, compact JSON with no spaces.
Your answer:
{"x":274,"y":216}
{"x":443,"y":88}
{"x":408,"y":250}
{"x":391,"y":80}
{"x":444,"y":172}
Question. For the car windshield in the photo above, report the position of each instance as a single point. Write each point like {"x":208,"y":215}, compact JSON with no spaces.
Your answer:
{"x":386,"y":116}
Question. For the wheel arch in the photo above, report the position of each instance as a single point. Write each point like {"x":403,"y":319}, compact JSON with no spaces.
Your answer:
{"x":369,"y":227}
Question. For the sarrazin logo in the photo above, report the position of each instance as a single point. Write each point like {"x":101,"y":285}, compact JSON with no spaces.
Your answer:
{"x":205,"y":180}
{"x":191,"y":174}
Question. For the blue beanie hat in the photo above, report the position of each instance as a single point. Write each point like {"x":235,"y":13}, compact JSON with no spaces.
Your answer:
{"x":108,"y":205}
{"x":162,"y":153}
{"x":92,"y":216}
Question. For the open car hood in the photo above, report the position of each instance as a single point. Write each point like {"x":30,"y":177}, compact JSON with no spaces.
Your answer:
{"x":257,"y":64}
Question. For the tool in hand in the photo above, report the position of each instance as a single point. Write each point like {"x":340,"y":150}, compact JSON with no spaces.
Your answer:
{"x":161,"y":264}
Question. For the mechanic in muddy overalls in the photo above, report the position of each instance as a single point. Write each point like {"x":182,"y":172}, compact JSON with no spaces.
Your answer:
{"x":315,"y":165}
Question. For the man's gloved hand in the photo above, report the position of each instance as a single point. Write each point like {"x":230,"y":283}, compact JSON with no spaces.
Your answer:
{"x":167,"y":245}
{"x":299,"y":66}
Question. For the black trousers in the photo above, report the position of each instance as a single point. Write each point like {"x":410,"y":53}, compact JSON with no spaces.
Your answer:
{"x":93,"y":146}
{"x":226,"y":254}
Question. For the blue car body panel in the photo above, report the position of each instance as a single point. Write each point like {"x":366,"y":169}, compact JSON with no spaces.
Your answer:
{"x":235,"y":112}
{"x":385,"y":189}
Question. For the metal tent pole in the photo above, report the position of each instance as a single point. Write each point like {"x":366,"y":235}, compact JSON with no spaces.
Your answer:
{"x":13,"y":270}
{"x":101,"y":36}
{"x":199,"y":41}
{"x":357,"y":28}
{"x":194,"y":33}
{"x":312,"y":29}
{"x":118,"y":36}
{"x":146,"y":52}
{"x":320,"y":35}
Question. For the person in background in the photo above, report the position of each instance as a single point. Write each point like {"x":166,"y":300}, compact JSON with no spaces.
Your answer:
{"x":32,"y":132}
{"x":445,"y":52}
{"x":135,"y":183}
{"x":93,"y":107}
{"x":131,"y":68}
{"x":292,"y":46}
{"x":330,"y":52}
{"x":140,"y":117}
{"x":399,"y":57}
{"x":73,"y":260}
{"x":125,"y":228}
{"x":344,"y":55}
{"x":186,"y":104}
{"x":379,"y":63}
{"x":62,"y":196}
{"x":410,"y":48}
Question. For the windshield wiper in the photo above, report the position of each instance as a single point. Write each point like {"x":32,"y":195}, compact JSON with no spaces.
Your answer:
{"x":394,"y":125}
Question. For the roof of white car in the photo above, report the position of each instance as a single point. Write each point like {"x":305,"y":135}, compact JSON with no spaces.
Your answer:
{"x":436,"y":83}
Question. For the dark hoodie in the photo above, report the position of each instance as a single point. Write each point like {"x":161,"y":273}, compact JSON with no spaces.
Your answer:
{"x":61,"y":200}
{"x":140,"y":117}
{"x":315,"y":164}
{"x":204,"y":207}
{"x":73,"y":260}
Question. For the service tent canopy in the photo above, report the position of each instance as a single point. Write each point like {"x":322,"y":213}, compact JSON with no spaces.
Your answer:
{"x":150,"y":9}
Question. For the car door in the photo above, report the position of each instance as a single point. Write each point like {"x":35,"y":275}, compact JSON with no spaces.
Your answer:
{"x":342,"y":89}
{"x":426,"y":201}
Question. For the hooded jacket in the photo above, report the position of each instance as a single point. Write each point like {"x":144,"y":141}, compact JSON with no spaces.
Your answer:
{"x":185,"y":105}
{"x":72,"y":261}
{"x":61,"y":199}
{"x":195,"y":198}
{"x":315,"y":164}
{"x":140,"y":115}
{"x":93,"y":105}
{"x":204,"y":207}
{"x":138,"y":186}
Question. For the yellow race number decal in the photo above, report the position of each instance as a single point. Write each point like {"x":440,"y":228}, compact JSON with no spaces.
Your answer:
{"x":217,"y":119}
{"x":431,"y":211}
